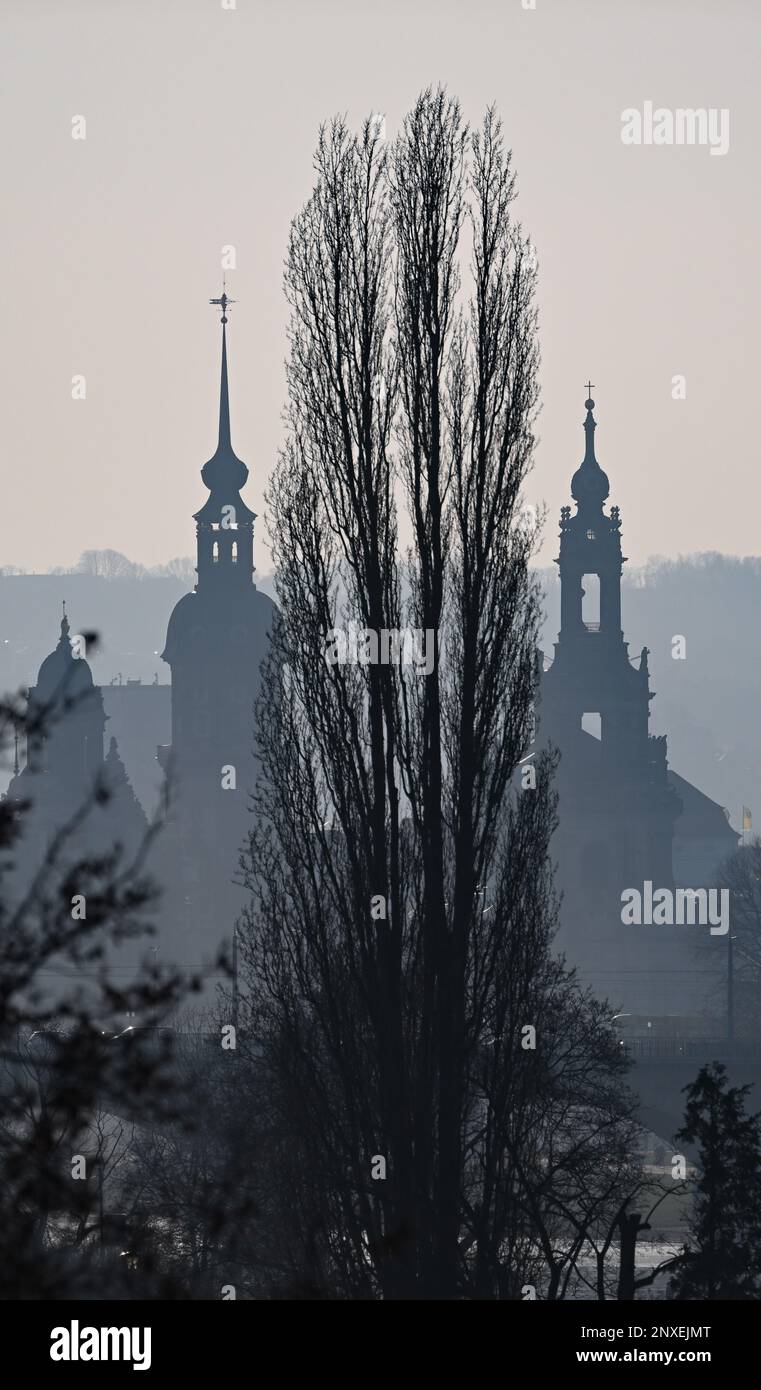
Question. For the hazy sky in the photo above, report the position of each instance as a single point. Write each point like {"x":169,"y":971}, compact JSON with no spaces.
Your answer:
{"x":201,"y":124}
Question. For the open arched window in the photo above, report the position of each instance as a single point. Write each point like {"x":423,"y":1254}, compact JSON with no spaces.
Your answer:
{"x":590,"y":603}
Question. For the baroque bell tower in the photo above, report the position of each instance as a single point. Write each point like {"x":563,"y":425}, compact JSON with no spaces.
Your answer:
{"x":593,"y":688}
{"x":216,"y":639}
{"x":615,"y":806}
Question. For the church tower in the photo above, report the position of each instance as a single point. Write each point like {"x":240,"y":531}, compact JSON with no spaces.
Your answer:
{"x":615,"y":805}
{"x":594,"y":686}
{"x":66,"y":714}
{"x":216,"y":639}
{"x":68,"y":790}
{"x":224,"y":525}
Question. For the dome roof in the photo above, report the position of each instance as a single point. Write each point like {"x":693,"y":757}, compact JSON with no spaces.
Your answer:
{"x":247,"y":611}
{"x":61,"y":673}
{"x":181,"y":621}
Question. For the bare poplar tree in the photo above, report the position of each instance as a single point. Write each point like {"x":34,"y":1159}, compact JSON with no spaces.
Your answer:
{"x":397,"y":953}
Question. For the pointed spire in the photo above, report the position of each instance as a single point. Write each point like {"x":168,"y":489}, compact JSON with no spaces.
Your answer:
{"x":224,"y":474}
{"x":224,"y":396}
{"x":590,"y":425}
{"x":126,"y":809}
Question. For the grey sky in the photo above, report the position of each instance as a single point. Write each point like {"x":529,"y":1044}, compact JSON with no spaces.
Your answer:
{"x":200,"y":128}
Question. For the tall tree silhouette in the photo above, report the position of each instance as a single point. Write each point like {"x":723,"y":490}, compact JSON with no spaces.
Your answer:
{"x":396,"y":956}
{"x":722,"y":1259}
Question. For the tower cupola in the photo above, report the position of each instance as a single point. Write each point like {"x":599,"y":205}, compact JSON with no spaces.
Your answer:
{"x":589,"y":484}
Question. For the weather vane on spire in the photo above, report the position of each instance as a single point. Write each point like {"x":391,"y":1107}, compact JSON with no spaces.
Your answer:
{"x":223,"y":302}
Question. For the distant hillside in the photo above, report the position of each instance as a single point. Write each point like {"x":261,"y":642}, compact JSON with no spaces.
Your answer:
{"x":130,"y":614}
{"x":708,"y":704}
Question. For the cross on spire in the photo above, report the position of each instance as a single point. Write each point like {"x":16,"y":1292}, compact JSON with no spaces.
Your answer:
{"x":223,"y":302}
{"x":590,"y":387}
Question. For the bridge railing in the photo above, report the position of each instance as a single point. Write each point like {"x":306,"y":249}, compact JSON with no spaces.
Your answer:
{"x":694,"y":1049}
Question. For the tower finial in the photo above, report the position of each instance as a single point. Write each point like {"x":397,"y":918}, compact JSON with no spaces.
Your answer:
{"x":64,"y":620}
{"x":224,"y":394}
{"x":224,"y":474}
{"x":589,"y":485}
{"x":223,"y":302}
{"x":590,"y":426}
